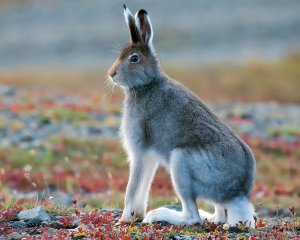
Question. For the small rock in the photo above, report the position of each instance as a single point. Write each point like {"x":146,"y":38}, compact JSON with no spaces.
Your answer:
{"x":116,"y":212}
{"x":75,"y":223}
{"x":37,"y":213}
{"x":19,"y":224}
{"x":26,"y":136}
{"x":94,"y":130}
{"x":226,"y":226}
{"x":33,"y":222}
{"x":265,"y":229}
{"x":14,"y":236}
{"x":62,"y":198}
{"x":54,"y":217}
{"x":6,"y":90}
{"x":51,"y":231}
{"x":183,"y":237}
{"x":273,"y":221}
{"x":287,"y":219}
{"x":44,"y":122}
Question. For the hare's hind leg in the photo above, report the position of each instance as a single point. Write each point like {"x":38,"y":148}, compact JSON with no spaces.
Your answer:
{"x":182,"y":184}
{"x":240,"y":209}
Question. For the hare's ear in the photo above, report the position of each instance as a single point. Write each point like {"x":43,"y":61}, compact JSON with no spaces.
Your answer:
{"x":144,"y":27}
{"x":134,"y":34}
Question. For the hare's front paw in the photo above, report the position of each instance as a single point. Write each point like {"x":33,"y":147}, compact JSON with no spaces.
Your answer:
{"x":129,"y":216}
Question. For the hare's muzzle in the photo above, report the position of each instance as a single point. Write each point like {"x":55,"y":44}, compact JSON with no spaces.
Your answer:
{"x":112,"y":72}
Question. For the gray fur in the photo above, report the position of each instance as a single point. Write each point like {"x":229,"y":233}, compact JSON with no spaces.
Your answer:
{"x":165,"y":123}
{"x":169,"y":117}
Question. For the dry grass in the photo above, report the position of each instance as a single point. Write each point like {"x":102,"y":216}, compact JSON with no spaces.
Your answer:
{"x":58,"y":79}
{"x":252,"y":82}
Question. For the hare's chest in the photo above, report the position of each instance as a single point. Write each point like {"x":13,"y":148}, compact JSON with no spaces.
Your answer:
{"x":131,"y":133}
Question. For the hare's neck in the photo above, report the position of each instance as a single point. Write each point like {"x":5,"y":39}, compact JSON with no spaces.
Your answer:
{"x":139,"y":95}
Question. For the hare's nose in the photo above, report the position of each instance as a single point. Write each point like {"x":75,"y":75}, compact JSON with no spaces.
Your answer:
{"x":112,"y":72}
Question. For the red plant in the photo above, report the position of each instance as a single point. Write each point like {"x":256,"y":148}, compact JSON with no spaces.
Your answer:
{"x":8,"y":214}
{"x":67,"y":222}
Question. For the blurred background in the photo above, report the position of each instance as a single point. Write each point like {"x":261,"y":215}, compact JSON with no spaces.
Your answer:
{"x":83,"y":33}
{"x":59,"y":118}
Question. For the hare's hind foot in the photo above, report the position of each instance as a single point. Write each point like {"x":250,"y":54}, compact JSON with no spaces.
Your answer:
{"x":233,"y":212}
{"x":240,"y":210}
{"x":178,"y":218}
{"x":164,"y":214}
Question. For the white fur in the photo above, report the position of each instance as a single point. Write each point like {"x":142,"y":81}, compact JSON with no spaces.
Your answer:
{"x":171,"y":216}
{"x":136,"y":203}
{"x":189,"y":214}
{"x":205,"y":215}
{"x":240,"y":209}
{"x":219,"y":215}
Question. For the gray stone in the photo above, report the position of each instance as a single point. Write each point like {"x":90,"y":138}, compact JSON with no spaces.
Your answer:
{"x":265,"y":229}
{"x":62,"y":198}
{"x":75,"y":223}
{"x":14,"y":236}
{"x":27,"y":136}
{"x":6,"y":90}
{"x":19,"y":224}
{"x":54,"y":217}
{"x":33,"y":222}
{"x":51,"y":231}
{"x":182,"y":237}
{"x":37,"y":213}
{"x":287,"y":219}
{"x":273,"y":221}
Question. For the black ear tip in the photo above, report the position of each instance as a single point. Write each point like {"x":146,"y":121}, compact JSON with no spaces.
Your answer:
{"x":124,"y":6}
{"x":142,"y":11}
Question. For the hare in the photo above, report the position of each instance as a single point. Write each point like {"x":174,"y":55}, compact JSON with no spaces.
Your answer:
{"x":165,"y":124}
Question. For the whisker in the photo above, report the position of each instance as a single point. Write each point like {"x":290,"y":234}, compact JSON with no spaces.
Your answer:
{"x":116,"y":48}
{"x":108,"y":87}
{"x":115,"y":51}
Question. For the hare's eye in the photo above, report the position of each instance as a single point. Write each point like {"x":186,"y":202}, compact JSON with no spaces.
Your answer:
{"x":134,"y":58}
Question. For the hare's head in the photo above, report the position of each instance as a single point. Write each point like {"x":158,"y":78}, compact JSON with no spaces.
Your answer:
{"x":136,"y":64}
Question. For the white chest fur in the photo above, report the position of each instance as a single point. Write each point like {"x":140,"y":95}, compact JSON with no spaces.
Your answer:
{"x":130,"y":132}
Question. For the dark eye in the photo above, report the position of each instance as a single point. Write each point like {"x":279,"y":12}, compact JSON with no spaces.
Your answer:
{"x":134,"y":58}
